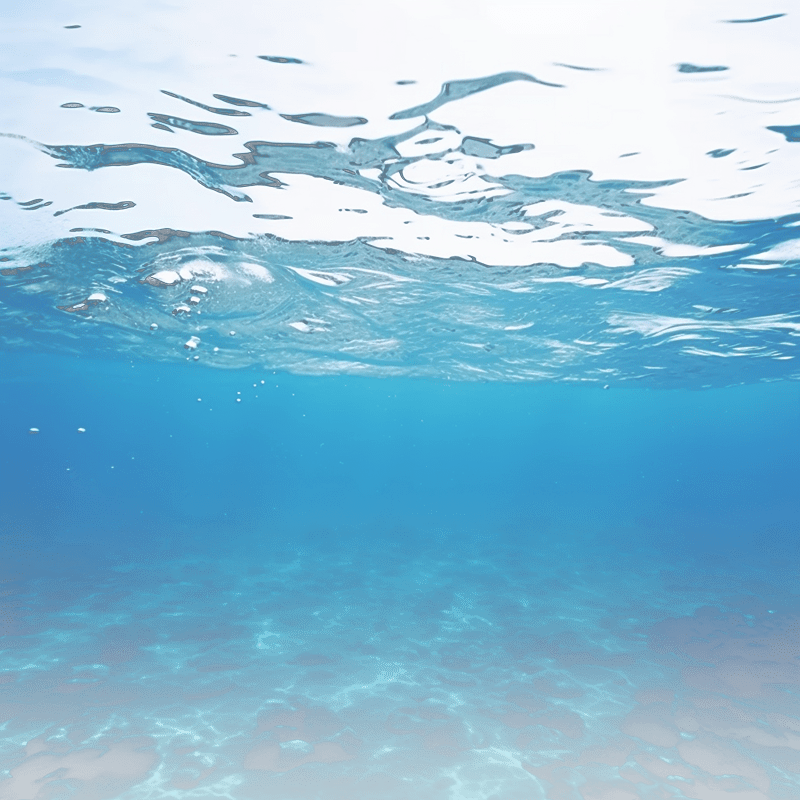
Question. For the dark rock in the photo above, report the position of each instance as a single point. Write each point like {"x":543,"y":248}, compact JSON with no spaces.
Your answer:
{"x":571,"y":648}
{"x":184,"y":743}
{"x":708,"y":699}
{"x":129,"y":756}
{"x":747,"y":646}
{"x":524,"y":642}
{"x":405,"y":720}
{"x":36,"y":766}
{"x":516,"y":717}
{"x":120,"y":643}
{"x":652,"y":724}
{"x":526,"y":697}
{"x":784,"y":722}
{"x":286,"y":733}
{"x":452,"y":661}
{"x":192,"y":771}
{"x":115,"y":692}
{"x":312,"y":659}
{"x":562,"y":719}
{"x":748,"y":674}
{"x":279,"y":712}
{"x":219,"y":660}
{"x":319,"y":676}
{"x":555,"y":685}
{"x":662,"y":766}
{"x":721,"y":757}
{"x":456,"y":733}
{"x":654,"y":694}
{"x":605,"y":783}
{"x":263,"y":753}
{"x":613,"y":753}
{"x":202,"y":629}
{"x":293,"y":753}
{"x":54,"y":740}
{"x":11,"y":710}
{"x":567,"y":783}
{"x":456,"y":679}
{"x":64,"y":789}
{"x":320,"y":722}
{"x":341,"y":746}
{"x":725,"y":787}
{"x":702,"y":676}
{"x":543,"y":737}
{"x":85,"y":762}
{"x":83,"y":676}
{"x":730,"y":720}
{"x":203,"y":688}
{"x":635,"y":773}
{"x":541,"y":759}
{"x":433,"y":709}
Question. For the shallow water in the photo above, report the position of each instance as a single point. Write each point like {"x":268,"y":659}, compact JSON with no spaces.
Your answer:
{"x":410,"y":412}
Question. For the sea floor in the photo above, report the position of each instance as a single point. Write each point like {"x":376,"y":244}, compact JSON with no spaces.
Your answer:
{"x":511,"y":667}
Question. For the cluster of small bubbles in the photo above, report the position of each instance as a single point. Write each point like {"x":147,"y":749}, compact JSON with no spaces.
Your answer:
{"x":36,"y":430}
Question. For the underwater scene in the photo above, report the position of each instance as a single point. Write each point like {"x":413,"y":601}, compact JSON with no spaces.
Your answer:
{"x":400,"y":401}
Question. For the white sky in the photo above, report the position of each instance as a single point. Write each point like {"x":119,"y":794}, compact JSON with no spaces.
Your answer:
{"x":634,"y":102}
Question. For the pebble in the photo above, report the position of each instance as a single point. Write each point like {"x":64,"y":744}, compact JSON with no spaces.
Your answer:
{"x":202,"y":689}
{"x":183,"y":743}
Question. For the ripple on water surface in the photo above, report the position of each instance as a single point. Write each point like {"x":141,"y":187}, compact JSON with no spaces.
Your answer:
{"x":470,"y":228}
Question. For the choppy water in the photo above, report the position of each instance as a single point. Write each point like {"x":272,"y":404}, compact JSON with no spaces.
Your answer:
{"x":630,"y":215}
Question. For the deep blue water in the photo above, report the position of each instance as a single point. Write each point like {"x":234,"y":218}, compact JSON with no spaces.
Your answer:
{"x":180,"y":452}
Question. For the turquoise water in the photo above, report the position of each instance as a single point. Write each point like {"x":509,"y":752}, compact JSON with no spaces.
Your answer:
{"x":399,"y":402}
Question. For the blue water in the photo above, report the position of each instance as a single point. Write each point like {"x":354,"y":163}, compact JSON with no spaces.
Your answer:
{"x":399,"y":403}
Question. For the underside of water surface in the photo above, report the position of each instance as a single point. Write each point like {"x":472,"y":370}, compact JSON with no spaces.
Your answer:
{"x":628,"y":216}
